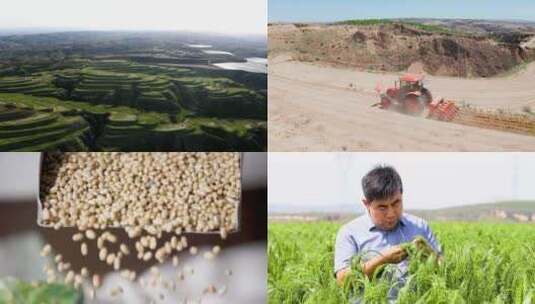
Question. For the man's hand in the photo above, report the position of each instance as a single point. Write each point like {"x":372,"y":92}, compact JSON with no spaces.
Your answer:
{"x":341,"y":275}
{"x":394,"y":254}
{"x":391,"y":255}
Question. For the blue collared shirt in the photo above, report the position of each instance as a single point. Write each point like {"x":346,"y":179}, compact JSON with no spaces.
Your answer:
{"x":360,"y":236}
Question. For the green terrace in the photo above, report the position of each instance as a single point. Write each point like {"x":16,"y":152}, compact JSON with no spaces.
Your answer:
{"x":223,"y":97}
{"x":123,"y":66}
{"x":27,"y":69}
{"x":117,"y":105}
{"x":158,"y":89}
{"x":136,"y":90}
{"x":214,"y":86}
{"x":128,"y":129}
{"x":24,"y":128}
{"x":145,"y":132}
{"x":28,"y":85}
{"x":57,"y":104}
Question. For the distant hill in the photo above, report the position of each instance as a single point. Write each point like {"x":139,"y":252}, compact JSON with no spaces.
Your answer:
{"x":336,"y":208}
{"x":518,"y":211}
{"x":31,"y":31}
{"x":477,"y":26}
{"x":508,"y":211}
{"x":446,"y":47}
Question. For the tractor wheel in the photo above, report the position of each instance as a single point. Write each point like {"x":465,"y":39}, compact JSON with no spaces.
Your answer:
{"x":385,"y":103}
{"x":412,"y":105}
{"x":426,"y":96}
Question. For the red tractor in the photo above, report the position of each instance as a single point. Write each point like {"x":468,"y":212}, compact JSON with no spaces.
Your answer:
{"x":411,"y":97}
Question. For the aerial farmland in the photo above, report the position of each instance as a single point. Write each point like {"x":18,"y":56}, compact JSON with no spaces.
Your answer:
{"x":123,"y":91}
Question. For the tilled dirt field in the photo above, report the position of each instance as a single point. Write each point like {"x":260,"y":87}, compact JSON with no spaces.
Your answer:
{"x":317,"y":108}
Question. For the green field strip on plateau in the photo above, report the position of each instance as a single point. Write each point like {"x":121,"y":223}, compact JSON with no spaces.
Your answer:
{"x":117,"y":105}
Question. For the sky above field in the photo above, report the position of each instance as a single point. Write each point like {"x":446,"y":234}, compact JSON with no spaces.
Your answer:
{"x":311,"y":181}
{"x":230,"y":16}
{"x":336,"y":10}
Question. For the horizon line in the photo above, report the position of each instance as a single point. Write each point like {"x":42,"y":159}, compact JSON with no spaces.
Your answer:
{"x":400,"y":18}
{"x":53,"y":29}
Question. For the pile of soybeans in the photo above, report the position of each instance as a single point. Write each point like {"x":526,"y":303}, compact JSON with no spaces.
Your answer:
{"x":147,"y":195}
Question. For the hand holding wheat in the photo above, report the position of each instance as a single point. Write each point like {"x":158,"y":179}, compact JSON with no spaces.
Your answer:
{"x":394,"y":254}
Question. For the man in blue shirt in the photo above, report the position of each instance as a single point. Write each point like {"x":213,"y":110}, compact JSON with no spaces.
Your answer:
{"x":376,"y":236}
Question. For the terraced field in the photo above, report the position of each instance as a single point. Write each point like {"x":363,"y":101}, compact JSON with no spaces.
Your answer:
{"x":26,"y":128}
{"x":222,"y":97}
{"x":151,"y":93}
{"x":119,"y":105}
{"x":27,"y":85}
{"x":192,"y":134}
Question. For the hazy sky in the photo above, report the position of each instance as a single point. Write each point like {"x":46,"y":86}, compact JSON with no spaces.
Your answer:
{"x":229,"y":16}
{"x":430,"y":180}
{"x":335,"y":10}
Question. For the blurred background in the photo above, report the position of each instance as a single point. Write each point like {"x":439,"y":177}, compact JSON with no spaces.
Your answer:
{"x":443,"y":186}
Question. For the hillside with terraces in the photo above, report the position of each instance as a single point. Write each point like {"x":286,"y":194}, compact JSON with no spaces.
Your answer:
{"x":73,"y":96}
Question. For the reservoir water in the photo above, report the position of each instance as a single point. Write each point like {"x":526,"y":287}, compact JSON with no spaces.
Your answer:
{"x":253,"y":64}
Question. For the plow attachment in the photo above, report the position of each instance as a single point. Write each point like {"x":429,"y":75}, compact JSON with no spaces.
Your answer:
{"x":448,"y":111}
{"x":444,"y":110}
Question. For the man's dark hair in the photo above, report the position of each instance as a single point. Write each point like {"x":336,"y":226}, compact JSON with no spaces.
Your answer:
{"x":382,"y":182}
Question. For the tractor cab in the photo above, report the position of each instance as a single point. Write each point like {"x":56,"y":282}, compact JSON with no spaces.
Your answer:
{"x":411,"y":82}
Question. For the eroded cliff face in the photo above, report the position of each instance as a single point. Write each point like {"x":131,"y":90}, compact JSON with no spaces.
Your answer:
{"x":400,"y":47}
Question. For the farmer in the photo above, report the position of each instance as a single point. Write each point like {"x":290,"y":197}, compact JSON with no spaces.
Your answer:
{"x":376,"y":236}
